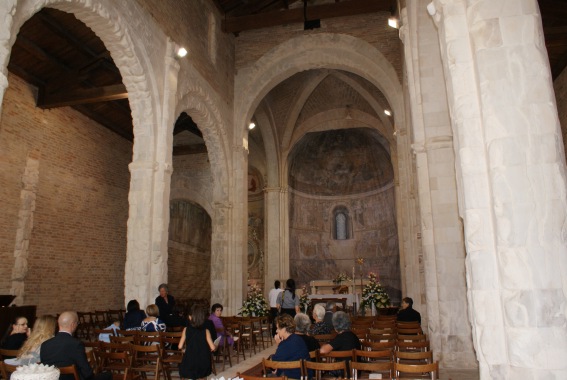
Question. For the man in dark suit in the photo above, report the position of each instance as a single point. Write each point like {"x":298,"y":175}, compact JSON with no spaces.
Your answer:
{"x":63,"y":350}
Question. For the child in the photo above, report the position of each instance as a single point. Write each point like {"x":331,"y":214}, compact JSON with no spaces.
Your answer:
{"x":104,"y":337}
{"x":196,"y":362}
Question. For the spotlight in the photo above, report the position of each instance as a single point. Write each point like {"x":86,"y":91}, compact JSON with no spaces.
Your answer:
{"x":251,"y":125}
{"x":393,"y":22}
{"x":181,"y":52}
{"x":388,"y":112}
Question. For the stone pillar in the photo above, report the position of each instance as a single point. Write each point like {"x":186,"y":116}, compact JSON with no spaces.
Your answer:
{"x":274,"y":198}
{"x":441,"y":232}
{"x":7,"y":10}
{"x":511,"y":171}
{"x":162,"y":175}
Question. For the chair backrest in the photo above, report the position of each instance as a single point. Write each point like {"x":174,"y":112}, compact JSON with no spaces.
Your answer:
{"x":324,"y":338}
{"x":381,"y":337}
{"x":418,"y":357}
{"x":413,"y":346}
{"x":272,"y":364}
{"x":372,"y":356}
{"x":319,"y":367}
{"x":373,"y":367}
{"x":70,"y":370}
{"x":6,"y":369}
{"x":122,"y":339}
{"x":411,"y":338}
{"x":410,"y":331}
{"x":248,"y":377}
{"x":408,"y":325}
{"x":379,"y":346}
{"x":431,"y":369}
{"x":4,"y":353}
{"x":333,"y":355}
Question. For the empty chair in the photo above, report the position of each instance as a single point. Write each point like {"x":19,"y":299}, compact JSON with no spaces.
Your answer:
{"x":416,"y":371}
{"x":146,"y":361}
{"x":413,"y":346}
{"x":418,"y":357}
{"x":362,"y":370}
{"x":364,"y":356}
{"x":117,"y":363}
{"x":410,"y":331}
{"x":379,"y":346}
{"x":170,"y":354}
{"x":381,"y":337}
{"x":411,"y":338}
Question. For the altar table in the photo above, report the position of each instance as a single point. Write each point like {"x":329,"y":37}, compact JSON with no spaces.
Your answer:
{"x":350,"y":298}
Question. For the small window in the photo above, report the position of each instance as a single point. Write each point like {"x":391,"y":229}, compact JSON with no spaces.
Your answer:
{"x":341,"y":224}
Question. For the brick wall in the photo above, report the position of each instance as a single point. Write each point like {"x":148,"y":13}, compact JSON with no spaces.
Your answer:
{"x":77,"y":246}
{"x":373,"y":28}
{"x":189,"y":252}
{"x":188,"y":24}
{"x":560,"y":86}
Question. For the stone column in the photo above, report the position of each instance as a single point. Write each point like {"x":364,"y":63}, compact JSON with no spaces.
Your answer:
{"x":274,"y":199}
{"x":441,"y":232}
{"x":7,"y":10}
{"x":511,"y":171}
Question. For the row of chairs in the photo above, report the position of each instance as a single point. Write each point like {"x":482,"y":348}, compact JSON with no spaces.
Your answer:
{"x":341,"y":369}
{"x":100,"y":319}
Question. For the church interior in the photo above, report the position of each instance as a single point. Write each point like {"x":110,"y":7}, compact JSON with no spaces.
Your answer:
{"x":420,"y":140}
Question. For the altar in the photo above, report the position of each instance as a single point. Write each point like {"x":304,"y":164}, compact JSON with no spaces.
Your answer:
{"x":349,"y":297}
{"x":326,"y":286}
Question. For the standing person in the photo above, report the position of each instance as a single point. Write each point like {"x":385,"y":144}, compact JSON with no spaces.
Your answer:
{"x":63,"y":350}
{"x":134,"y":316}
{"x":273,"y":299}
{"x":196,"y":362}
{"x":43,"y":329}
{"x":288,"y":302}
{"x":165,"y":302}
{"x":152,"y":323}
{"x":407,"y":313}
{"x":16,"y":334}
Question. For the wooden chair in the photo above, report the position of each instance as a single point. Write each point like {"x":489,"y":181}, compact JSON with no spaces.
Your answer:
{"x":363,"y":356}
{"x":223,"y":350}
{"x":321,"y":367}
{"x":379,"y":346}
{"x":117,"y":363}
{"x":6,"y":354}
{"x":146,"y":360}
{"x":7,"y":370}
{"x":147,"y":338}
{"x":268,"y":365}
{"x":122,"y":339}
{"x":413,"y":346}
{"x":170,"y":354}
{"x":408,"y":325}
{"x":266,"y":328}
{"x":233,"y":329}
{"x":410,"y":331}
{"x":93,"y":360}
{"x":324,"y":338}
{"x":419,"y":357}
{"x":385,"y":369}
{"x":70,"y":370}
{"x":247,"y":336}
{"x":335,"y":356}
{"x":381,"y":337}
{"x":248,"y":377}
{"x":411,"y":338}
{"x":417,"y":371}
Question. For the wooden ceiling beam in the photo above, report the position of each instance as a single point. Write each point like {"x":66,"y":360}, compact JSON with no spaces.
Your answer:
{"x":83,"y":96}
{"x":183,"y":150}
{"x":41,"y":54}
{"x":315,"y":12}
{"x":99,"y":118}
{"x":25,"y":75}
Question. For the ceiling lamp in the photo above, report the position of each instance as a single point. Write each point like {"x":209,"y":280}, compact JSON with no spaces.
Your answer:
{"x":388,"y":112}
{"x":394,"y":22}
{"x":181,"y":52}
{"x":251,"y":125}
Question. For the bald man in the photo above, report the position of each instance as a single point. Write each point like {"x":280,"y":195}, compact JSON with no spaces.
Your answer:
{"x":63,"y":350}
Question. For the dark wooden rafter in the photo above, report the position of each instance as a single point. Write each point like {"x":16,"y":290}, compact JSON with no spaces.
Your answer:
{"x":315,"y":12}
{"x":81,"y":96}
{"x":101,"y":119}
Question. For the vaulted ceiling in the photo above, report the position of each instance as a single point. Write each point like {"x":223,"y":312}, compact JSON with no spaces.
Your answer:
{"x":70,"y":65}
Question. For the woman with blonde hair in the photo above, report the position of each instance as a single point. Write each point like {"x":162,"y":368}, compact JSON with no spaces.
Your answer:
{"x":43,"y":329}
{"x":152,"y":323}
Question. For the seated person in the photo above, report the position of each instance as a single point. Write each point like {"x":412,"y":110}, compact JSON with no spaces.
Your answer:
{"x":407,"y":313}
{"x":43,"y":329}
{"x":345,"y":340}
{"x":152,"y":323}
{"x":215,"y":317}
{"x":105,"y":337}
{"x":63,"y":350}
{"x":16,"y":334}
{"x":302,"y":325}
{"x":134,"y":316}
{"x":319,"y":327}
{"x":291,"y":346}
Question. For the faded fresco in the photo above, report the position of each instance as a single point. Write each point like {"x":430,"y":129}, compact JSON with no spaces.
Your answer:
{"x":365,"y":197}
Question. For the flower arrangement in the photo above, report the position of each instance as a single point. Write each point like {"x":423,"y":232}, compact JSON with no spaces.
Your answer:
{"x":255,"y":303}
{"x":340,"y":278}
{"x":374,"y":293}
{"x":304,"y":300}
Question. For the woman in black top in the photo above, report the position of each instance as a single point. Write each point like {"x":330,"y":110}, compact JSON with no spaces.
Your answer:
{"x":16,"y":334}
{"x":134,"y":316}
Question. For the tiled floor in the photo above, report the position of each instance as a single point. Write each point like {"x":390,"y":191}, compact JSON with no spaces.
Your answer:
{"x":444,"y":374}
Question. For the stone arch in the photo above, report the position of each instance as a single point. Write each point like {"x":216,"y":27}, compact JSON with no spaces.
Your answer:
{"x":184,"y":194}
{"x":198,"y":104}
{"x":323,"y":50}
{"x":108,"y":26}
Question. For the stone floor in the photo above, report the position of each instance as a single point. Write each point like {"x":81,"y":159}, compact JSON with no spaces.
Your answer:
{"x":444,"y":374}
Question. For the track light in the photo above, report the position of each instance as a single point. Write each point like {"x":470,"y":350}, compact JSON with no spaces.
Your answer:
{"x":181,"y":52}
{"x":388,"y":112}
{"x":251,"y":125}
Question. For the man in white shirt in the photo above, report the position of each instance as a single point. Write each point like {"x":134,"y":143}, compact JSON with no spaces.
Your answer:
{"x":272,"y":299}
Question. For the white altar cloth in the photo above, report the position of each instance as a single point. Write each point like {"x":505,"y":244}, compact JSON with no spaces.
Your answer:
{"x":350,"y":298}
